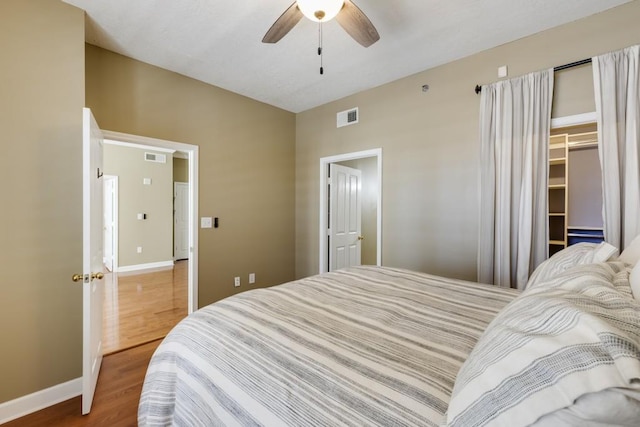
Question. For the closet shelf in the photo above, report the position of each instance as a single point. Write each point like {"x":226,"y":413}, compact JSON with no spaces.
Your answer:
{"x":557,"y":190}
{"x":595,"y":236}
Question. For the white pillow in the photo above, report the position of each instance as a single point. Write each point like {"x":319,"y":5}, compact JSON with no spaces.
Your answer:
{"x":631,"y":254}
{"x":571,"y":256}
{"x":634,"y":280}
{"x":609,"y":407}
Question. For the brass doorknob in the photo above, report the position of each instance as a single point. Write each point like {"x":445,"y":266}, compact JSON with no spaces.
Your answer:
{"x":360,"y":237}
{"x":80,"y":277}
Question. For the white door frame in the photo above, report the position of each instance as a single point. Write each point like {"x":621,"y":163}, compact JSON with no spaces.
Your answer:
{"x":192,"y":155}
{"x":116,"y":226}
{"x":323,"y":227}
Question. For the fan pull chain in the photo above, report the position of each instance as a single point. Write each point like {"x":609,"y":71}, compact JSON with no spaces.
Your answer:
{"x":320,"y":46}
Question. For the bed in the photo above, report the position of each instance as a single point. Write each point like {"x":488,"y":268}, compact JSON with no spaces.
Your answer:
{"x":392,"y":347}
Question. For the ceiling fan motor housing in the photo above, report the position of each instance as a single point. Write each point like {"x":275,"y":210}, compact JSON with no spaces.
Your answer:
{"x":320,"y":10}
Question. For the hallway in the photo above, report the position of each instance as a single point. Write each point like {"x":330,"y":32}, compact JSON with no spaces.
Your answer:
{"x":140,"y":308}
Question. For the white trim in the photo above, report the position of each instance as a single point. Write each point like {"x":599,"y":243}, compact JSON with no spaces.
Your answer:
{"x":324,"y":163}
{"x":147,"y":266}
{"x":193,"y":156}
{"x":146,"y":142}
{"x":575,"y":120}
{"x":193,"y":230}
{"x":140,"y":146}
{"x":33,"y":402}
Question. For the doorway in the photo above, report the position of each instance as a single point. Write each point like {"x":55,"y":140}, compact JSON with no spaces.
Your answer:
{"x":189,"y":152}
{"x":371,"y":186}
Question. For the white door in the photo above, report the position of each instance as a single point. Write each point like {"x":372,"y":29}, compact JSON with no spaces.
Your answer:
{"x":345,"y":224}
{"x":180,"y":220}
{"x":92,"y":293}
{"x":109,"y":224}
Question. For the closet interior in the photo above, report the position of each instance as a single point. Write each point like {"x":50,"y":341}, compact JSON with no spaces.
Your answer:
{"x":575,"y":187}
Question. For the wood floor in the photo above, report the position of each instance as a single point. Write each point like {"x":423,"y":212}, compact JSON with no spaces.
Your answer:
{"x":116,"y":400}
{"x":139,"y":308}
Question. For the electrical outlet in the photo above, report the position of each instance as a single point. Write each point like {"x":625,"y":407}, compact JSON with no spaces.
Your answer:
{"x":139,"y":249}
{"x":252,"y":277}
{"x":236,"y":281}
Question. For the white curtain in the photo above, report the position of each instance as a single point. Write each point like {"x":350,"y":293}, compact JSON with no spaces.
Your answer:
{"x":515,"y":120}
{"x":617,"y":92}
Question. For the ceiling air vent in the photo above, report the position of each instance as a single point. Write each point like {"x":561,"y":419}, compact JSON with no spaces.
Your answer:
{"x":154,"y":157}
{"x":348,"y":117}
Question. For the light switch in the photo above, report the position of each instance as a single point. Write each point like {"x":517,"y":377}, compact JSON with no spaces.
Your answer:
{"x":206,"y":222}
{"x":146,"y":181}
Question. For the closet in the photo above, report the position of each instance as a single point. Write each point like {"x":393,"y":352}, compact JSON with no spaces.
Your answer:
{"x":575,"y":187}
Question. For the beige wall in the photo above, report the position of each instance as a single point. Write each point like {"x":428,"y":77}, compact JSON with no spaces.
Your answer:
{"x":246,"y":169}
{"x":41,"y":100}
{"x":429,"y":142}
{"x":180,"y":170}
{"x":154,"y":234}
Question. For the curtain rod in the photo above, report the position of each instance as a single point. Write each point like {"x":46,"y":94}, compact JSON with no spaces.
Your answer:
{"x":558,"y":68}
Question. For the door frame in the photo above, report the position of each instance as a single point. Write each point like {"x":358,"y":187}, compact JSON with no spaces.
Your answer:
{"x":114,"y":250}
{"x":192,"y":156}
{"x":324,"y":205}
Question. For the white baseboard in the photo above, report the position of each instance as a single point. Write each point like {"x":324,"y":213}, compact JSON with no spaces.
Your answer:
{"x":160,"y":264}
{"x":39,"y":400}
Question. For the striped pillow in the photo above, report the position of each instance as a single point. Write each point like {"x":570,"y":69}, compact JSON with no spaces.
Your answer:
{"x":548,"y":348}
{"x":571,"y":256}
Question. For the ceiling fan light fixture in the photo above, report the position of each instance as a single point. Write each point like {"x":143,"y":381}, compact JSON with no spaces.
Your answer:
{"x":320,"y":10}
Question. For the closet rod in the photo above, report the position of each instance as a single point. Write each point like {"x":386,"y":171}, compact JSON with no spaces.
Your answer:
{"x":558,"y":68}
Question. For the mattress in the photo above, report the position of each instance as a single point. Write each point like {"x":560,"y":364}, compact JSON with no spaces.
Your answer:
{"x":360,"y":346}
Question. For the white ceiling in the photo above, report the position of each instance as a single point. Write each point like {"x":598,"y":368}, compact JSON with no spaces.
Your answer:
{"x":219,"y":41}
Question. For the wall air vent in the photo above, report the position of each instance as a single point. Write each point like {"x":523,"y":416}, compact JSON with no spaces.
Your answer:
{"x":155,"y":157}
{"x":348,"y":117}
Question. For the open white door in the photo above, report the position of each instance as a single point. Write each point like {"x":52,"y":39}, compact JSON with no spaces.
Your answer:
{"x":345,"y":211}
{"x":109,"y":235}
{"x":92,"y":285}
{"x":181,"y":220}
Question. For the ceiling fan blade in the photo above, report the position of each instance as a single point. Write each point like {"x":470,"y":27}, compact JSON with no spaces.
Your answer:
{"x":283,"y":25}
{"x":357,"y":25}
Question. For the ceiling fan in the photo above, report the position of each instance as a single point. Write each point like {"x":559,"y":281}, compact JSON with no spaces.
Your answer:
{"x":348,"y":15}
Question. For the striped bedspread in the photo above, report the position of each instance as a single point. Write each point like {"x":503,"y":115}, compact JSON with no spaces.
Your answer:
{"x":361,"y":346}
